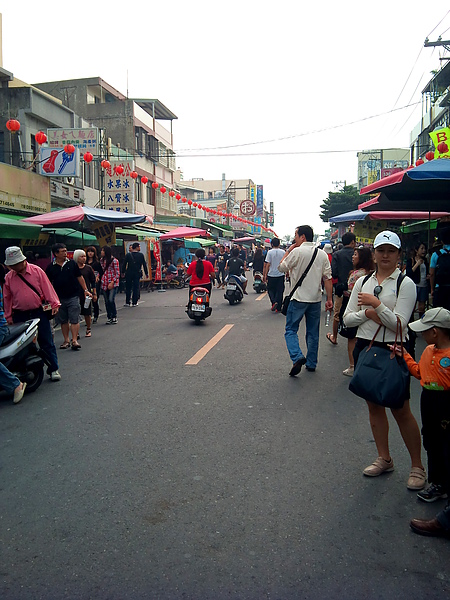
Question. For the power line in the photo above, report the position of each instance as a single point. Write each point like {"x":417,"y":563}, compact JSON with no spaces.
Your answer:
{"x":438,"y":23}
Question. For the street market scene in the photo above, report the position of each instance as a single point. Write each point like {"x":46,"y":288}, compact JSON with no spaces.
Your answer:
{"x":225,"y":308}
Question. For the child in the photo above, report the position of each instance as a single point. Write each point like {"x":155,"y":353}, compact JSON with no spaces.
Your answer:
{"x":433,"y":370}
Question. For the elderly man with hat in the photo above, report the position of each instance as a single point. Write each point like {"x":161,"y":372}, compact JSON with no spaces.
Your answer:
{"x":28,"y":292}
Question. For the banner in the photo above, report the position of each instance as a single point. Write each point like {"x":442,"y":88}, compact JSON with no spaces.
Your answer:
{"x":104,"y":232}
{"x":42,"y":240}
{"x":119,"y":189}
{"x":441,"y":141}
{"x":259,"y":200}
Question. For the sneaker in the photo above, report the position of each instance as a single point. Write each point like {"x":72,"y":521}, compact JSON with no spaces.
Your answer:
{"x":378,"y":467}
{"x":127,"y":304}
{"x":114,"y":321}
{"x":137,"y":304}
{"x":18,"y":394}
{"x":55,"y":376}
{"x":348,"y":372}
{"x":432,"y":493}
{"x":417,"y":479}
{"x":274,"y":306}
{"x":109,"y":321}
{"x":94,"y":320}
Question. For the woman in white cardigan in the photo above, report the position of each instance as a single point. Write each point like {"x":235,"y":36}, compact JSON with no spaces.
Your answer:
{"x":375,"y":302}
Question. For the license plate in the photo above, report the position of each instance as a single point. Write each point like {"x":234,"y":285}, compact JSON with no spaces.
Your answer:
{"x":198,"y":308}
{"x":231,"y":287}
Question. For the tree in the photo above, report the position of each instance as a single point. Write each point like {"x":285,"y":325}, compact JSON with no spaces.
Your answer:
{"x":340,"y":202}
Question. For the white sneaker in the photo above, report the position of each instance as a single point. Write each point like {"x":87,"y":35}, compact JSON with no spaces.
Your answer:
{"x":348,"y":372}
{"x":18,"y":394}
{"x":55,"y":376}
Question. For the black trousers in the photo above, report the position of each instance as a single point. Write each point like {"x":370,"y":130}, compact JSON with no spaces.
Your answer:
{"x":435,"y":412}
{"x":220,"y":276}
{"x":275,"y":289}
{"x":132,"y":286}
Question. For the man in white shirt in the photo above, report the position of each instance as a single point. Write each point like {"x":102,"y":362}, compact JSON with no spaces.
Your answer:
{"x":307,"y":298}
{"x":274,"y":277}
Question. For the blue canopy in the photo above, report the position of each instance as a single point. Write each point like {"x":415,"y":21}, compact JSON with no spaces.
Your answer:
{"x":353,"y":215}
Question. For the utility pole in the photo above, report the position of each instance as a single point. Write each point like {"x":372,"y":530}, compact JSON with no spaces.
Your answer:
{"x":439,"y":42}
{"x":339,"y":184}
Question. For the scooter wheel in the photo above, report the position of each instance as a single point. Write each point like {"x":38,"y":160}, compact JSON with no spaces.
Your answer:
{"x":35,"y":375}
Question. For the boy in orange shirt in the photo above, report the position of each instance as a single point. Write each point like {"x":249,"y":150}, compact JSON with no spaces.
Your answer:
{"x":433,"y":370}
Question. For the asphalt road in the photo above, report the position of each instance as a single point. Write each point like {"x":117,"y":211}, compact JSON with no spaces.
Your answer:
{"x":140,"y":477}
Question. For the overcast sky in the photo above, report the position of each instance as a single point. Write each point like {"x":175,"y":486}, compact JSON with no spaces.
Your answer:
{"x":255,"y":79}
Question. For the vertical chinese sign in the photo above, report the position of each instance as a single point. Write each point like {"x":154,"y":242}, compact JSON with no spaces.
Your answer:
{"x":259,"y":202}
{"x":119,"y":188}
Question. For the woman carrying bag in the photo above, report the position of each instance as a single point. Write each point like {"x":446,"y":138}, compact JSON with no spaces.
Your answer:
{"x":380,"y":306}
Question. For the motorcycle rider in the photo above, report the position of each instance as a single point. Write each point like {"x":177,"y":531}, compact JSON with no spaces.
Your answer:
{"x":236,"y":267}
{"x":201,"y":272}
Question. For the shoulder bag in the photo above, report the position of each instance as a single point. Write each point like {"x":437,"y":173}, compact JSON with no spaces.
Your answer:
{"x":46,"y":306}
{"x":287,"y":299}
{"x":380,"y":375}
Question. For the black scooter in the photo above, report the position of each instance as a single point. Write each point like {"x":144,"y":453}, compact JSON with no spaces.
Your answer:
{"x":234,"y":292}
{"x":198,"y":307}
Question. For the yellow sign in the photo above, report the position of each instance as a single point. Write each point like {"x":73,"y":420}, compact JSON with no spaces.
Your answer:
{"x":371,"y":176}
{"x":105,"y":233}
{"x":42,"y":240}
{"x":367,"y":230}
{"x":441,"y":140}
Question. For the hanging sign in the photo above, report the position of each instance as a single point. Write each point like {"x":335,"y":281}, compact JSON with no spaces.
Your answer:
{"x":104,"y":232}
{"x":441,"y":141}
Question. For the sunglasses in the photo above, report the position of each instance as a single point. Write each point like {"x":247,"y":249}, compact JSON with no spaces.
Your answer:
{"x":377,"y":291}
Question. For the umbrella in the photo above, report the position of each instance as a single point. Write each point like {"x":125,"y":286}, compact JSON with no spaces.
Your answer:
{"x":425,"y":187}
{"x":183,"y":232}
{"x":75,"y":214}
{"x":386,"y":215}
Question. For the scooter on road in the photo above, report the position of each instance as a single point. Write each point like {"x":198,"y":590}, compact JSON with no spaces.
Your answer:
{"x":234,"y":292}
{"x":198,"y":307}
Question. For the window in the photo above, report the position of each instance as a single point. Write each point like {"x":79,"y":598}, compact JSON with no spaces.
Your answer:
{"x":200,"y":195}
{"x":153,"y":149}
{"x":138,"y":189}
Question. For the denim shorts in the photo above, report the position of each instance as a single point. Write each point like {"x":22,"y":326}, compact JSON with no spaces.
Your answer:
{"x":69,"y":311}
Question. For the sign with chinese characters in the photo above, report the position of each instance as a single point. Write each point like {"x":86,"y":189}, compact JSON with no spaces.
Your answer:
{"x":271,"y":214}
{"x":104,"y":232}
{"x":366,"y":231}
{"x":42,"y":240}
{"x":86,"y":140}
{"x":55,"y":162}
{"x":119,"y":189}
{"x":259,"y":200}
{"x":247,"y":208}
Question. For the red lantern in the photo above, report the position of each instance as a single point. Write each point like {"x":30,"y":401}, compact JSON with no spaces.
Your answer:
{"x":144,"y":180}
{"x":155,"y":185}
{"x":106,"y":164}
{"x":195,"y":205}
{"x":69,"y":148}
{"x":12,"y":125}
{"x":87,"y":156}
{"x":178,"y":196}
{"x":442,"y":148}
{"x":40,"y":137}
{"x":419,"y":161}
{"x":118,"y":169}
{"x":200,"y":206}
{"x":163,"y":190}
{"x":190,"y":202}
{"x":171,"y":193}
{"x":133,"y":175}
{"x":429,"y":155}
{"x":183,"y":200}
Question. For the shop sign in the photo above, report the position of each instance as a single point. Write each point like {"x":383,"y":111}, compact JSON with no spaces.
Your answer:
{"x":42,"y":240}
{"x":119,"y":189}
{"x":259,"y":200}
{"x":104,"y":232}
{"x":247,"y":208}
{"x":441,"y":140}
{"x":86,"y":140}
{"x":55,"y":162}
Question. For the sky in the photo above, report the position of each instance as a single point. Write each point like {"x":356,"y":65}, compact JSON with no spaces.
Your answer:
{"x":284,"y":93}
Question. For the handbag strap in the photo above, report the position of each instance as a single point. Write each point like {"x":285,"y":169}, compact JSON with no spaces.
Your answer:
{"x":305,"y":273}
{"x":31,"y":286}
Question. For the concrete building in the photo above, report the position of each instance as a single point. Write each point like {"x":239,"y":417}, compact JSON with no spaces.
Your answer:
{"x":134,"y":126}
{"x":377,"y":164}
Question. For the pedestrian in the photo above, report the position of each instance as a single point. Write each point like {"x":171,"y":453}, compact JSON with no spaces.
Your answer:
{"x":417,"y":269}
{"x":110,"y":283}
{"x":273,"y":276}
{"x":220,"y":265}
{"x":211,"y":257}
{"x":440,"y":272}
{"x":433,"y":371}
{"x":79,"y":256}
{"x":258,"y":261}
{"x":8,"y":381}
{"x":243,"y":255}
{"x":378,"y":300}
{"x":94,"y":263}
{"x":341,"y":265}
{"x":201,"y":272}
{"x":133,"y":265}
{"x":66,"y":278}
{"x":307,"y":298}
{"x":362,"y":260}
{"x":27,"y":290}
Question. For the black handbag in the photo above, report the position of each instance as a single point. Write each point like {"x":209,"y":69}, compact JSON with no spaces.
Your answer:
{"x":380,"y":375}
{"x":287,"y":299}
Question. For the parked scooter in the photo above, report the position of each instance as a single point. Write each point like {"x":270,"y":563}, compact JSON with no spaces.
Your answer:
{"x":258,"y":283}
{"x":198,"y":307}
{"x":20,"y":354}
{"x":234,"y":292}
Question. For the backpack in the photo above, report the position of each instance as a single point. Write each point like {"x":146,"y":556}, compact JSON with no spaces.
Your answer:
{"x":442,"y":272}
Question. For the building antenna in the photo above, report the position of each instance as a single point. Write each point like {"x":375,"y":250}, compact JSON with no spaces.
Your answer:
{"x":127,"y":84}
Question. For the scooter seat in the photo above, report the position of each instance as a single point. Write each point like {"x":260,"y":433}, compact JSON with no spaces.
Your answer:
{"x":14,"y":332}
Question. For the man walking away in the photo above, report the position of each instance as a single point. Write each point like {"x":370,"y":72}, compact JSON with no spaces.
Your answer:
{"x":440,"y":273}
{"x":274,"y":277}
{"x":26,"y":289}
{"x":132,"y":267}
{"x":219,"y":267}
{"x":341,"y":265}
{"x":307,"y":298}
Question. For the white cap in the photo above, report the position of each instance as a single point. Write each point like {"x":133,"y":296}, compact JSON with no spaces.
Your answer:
{"x":435,"y":317}
{"x":387,"y":237}
{"x":13,"y":256}
{"x":328,"y":248}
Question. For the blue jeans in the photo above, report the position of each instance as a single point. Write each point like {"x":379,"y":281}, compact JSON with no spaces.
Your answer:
{"x":311,"y":311}
{"x":110,"y":302}
{"x":8,"y":381}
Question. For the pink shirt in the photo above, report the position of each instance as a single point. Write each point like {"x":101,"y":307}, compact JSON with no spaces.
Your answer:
{"x":18,"y":296}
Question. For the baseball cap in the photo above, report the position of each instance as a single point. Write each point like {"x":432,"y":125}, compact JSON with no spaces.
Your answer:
{"x":387,"y":237}
{"x":13,"y":256}
{"x":435,"y":317}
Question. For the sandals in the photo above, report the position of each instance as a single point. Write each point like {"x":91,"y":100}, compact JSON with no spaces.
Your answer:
{"x":64,"y":346}
{"x":88,"y":333}
{"x":76,"y":346}
{"x":329,"y":336}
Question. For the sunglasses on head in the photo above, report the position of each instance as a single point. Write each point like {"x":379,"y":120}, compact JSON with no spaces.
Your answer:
{"x":377,"y":290}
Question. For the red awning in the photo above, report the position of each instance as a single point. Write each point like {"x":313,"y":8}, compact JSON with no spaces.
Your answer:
{"x":184,"y":232}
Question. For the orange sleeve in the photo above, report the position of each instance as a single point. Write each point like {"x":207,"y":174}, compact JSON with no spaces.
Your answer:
{"x":413,"y":367}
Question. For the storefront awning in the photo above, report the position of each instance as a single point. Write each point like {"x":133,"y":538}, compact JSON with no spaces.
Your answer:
{"x":12,"y":227}
{"x":223,"y":230}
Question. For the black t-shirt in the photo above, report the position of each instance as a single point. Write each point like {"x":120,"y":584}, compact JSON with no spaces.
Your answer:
{"x":64,"y":279}
{"x":134,"y":262}
{"x":235,"y":266}
{"x":222,"y":261}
